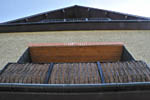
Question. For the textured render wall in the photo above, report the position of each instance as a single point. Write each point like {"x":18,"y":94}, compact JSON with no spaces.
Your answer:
{"x":12,"y":45}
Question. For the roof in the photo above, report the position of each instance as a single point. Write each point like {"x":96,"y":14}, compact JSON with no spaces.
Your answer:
{"x":76,"y":13}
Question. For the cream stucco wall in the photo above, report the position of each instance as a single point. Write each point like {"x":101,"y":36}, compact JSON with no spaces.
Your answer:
{"x":12,"y":45}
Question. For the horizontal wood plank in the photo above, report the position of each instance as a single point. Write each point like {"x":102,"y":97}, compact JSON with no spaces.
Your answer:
{"x":76,"y":52}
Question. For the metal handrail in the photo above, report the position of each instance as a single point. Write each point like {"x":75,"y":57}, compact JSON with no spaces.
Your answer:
{"x":74,"y":20}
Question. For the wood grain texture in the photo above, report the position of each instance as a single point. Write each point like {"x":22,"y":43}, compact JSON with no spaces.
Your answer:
{"x":75,"y":73}
{"x":25,"y":73}
{"x":83,"y":52}
{"x":124,"y":72}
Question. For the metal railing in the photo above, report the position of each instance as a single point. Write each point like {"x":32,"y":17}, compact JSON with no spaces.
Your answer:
{"x":74,"y":20}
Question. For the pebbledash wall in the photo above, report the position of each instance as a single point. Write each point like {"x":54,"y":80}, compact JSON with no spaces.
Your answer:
{"x":61,"y":26}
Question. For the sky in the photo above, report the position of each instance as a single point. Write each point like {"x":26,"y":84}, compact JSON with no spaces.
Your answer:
{"x":14,"y":9}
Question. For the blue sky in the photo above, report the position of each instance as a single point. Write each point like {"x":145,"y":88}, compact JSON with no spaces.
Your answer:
{"x":13,"y":9}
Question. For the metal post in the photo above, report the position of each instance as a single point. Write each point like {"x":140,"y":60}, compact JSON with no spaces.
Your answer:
{"x":100,"y":72}
{"x":49,"y":73}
